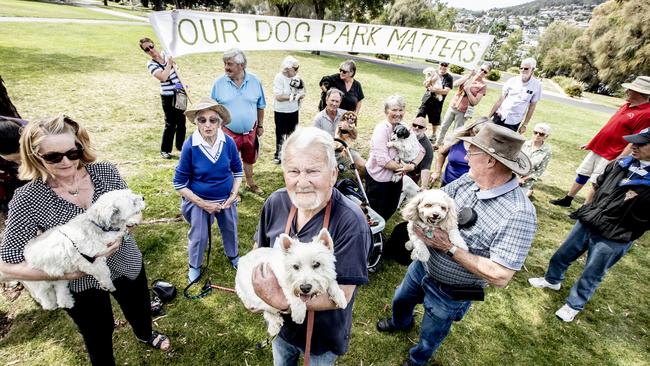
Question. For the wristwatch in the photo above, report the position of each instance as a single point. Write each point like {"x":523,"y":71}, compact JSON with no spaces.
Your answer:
{"x":452,"y":251}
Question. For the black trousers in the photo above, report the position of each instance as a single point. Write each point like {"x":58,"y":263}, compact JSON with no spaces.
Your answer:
{"x":174,"y":125}
{"x":502,"y":122}
{"x":93,"y":315}
{"x":285,"y":124}
{"x":383,"y":197}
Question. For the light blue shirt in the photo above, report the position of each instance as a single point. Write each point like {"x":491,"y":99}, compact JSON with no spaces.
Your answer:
{"x":242,"y":102}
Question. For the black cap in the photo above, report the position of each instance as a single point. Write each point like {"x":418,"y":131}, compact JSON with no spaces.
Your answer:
{"x":643,"y":137}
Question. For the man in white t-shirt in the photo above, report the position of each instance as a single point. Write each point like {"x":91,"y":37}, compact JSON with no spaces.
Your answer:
{"x":519,"y":97}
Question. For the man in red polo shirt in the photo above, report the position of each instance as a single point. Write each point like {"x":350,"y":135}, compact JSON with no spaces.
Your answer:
{"x":608,"y":144}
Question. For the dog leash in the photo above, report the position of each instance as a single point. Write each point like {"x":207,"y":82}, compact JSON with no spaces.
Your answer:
{"x":310,"y":313}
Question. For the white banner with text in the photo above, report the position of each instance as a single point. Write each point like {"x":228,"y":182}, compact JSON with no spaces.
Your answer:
{"x":184,"y":32}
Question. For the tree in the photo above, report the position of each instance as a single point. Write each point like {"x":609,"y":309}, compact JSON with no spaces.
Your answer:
{"x":284,"y":6}
{"x":554,"y":54}
{"x":499,"y":30}
{"x":419,"y":14}
{"x":507,"y":55}
{"x":616,"y":44}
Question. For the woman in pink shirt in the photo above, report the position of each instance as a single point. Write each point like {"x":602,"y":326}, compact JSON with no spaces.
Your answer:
{"x":471,"y":88}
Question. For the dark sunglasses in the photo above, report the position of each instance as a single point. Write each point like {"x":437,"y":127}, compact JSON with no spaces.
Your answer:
{"x":539,"y":133}
{"x":56,"y":157}
{"x":147,"y":49}
{"x":213,"y":120}
{"x":444,"y":64}
{"x":418,"y":127}
{"x":484,"y":71}
{"x":525,"y":68}
{"x":343,"y":71}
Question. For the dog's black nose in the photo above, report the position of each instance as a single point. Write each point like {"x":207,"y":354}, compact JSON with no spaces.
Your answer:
{"x":435,"y":216}
{"x":305,"y":288}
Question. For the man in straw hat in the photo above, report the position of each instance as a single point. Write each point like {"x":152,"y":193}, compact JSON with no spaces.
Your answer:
{"x":498,"y":237}
{"x":608,"y":144}
{"x":606,"y":227}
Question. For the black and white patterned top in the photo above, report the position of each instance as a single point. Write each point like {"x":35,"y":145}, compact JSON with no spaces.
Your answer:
{"x":36,"y":206}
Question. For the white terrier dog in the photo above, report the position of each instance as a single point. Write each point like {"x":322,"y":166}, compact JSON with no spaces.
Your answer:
{"x":78,"y":245}
{"x":431,"y":209}
{"x":303,"y":270}
{"x":406,"y":144}
{"x":432,"y":79}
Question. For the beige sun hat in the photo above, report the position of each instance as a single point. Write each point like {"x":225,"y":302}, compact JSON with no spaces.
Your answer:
{"x":504,"y":145}
{"x":208,"y":103}
{"x":640,"y":85}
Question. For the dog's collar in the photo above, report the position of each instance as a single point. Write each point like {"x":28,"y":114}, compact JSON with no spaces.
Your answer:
{"x":104,"y":228}
{"x":87,"y":257}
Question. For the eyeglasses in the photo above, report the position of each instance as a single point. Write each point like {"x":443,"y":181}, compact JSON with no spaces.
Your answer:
{"x":525,"y":68}
{"x":469,"y":154}
{"x":56,"y":157}
{"x":484,"y":71}
{"x":147,"y":49}
{"x":444,"y":64}
{"x":212,"y":120}
{"x":418,"y":127}
{"x":539,"y":133}
{"x":343,"y":71}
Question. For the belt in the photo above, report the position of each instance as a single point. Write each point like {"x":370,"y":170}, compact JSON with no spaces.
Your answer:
{"x":461,"y":293}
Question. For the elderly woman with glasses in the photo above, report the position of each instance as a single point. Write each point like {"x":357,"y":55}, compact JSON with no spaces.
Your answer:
{"x":540,"y":155}
{"x":208,"y":177}
{"x":471,"y":89}
{"x":163,"y":68}
{"x":383,"y":194}
{"x":345,"y":82}
{"x":289,"y":91}
{"x":57,"y":160}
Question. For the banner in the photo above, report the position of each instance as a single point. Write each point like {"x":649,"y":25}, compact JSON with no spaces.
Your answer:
{"x":184,"y":32}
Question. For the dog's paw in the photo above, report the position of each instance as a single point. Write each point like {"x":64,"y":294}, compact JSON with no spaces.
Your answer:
{"x":298,"y":312}
{"x":408,"y":245}
{"x":338,"y":296}
{"x":107,"y":286}
{"x":66,"y":302}
{"x":420,"y":253}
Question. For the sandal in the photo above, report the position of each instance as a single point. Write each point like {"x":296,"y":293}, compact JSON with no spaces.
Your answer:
{"x":156,"y":341}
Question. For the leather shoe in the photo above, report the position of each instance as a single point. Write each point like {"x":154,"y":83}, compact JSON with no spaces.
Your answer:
{"x":386,"y":326}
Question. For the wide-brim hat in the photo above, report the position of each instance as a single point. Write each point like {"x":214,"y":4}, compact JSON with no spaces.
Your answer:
{"x":640,"y":85}
{"x":504,"y":145}
{"x":208,"y":103}
{"x":643,"y":137}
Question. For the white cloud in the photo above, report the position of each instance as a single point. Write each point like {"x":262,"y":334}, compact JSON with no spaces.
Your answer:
{"x":482,"y":4}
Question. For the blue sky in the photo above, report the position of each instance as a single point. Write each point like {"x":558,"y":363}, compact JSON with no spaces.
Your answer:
{"x":483,"y":4}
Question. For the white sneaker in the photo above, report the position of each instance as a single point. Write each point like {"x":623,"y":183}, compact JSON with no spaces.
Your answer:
{"x":566,"y":313}
{"x":540,"y":282}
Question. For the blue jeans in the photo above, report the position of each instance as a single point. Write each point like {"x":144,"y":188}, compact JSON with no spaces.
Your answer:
{"x":601,"y":255}
{"x":439,"y":311}
{"x":286,"y":354}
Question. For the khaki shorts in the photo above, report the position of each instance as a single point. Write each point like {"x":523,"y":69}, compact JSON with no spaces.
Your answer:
{"x":592,"y":166}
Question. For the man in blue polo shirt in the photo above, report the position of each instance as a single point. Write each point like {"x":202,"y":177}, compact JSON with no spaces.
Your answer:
{"x":498,"y":239}
{"x":241,"y":92}
{"x":309,"y":168}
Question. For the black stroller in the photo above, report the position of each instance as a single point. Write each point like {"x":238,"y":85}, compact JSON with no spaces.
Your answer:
{"x":351,"y":186}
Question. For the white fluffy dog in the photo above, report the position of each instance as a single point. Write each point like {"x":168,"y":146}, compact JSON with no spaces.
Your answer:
{"x":303,"y":270}
{"x":432,"y":79}
{"x":406,"y":144}
{"x":75,"y":246}
{"x":431,"y":209}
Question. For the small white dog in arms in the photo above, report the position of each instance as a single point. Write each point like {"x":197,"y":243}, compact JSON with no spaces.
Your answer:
{"x":78,"y":246}
{"x":409,"y":190}
{"x":432,"y":79}
{"x":431,"y":209}
{"x":407,"y":146}
{"x":303,"y":270}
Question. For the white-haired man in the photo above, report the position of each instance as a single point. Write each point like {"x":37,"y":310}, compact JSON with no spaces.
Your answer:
{"x":309,"y":169}
{"x":519,"y":97}
{"x":241,"y":92}
{"x":498,"y":238}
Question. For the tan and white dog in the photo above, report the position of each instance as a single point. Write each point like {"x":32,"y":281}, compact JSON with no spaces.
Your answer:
{"x":432,"y":79}
{"x":78,"y":246}
{"x":303,"y":270}
{"x":429,"y":210}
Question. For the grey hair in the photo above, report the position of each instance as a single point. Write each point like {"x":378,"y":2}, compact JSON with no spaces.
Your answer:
{"x":350,"y":65}
{"x":290,"y":62}
{"x":393,"y":101}
{"x":309,"y":139}
{"x":333,"y":90}
{"x":529,"y":61}
{"x":543,"y":127}
{"x":236,"y":55}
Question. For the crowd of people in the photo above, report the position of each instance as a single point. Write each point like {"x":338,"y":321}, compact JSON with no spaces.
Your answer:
{"x":486,"y":165}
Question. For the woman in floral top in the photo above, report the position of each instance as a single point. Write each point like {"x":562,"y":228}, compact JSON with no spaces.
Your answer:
{"x":539,"y":154}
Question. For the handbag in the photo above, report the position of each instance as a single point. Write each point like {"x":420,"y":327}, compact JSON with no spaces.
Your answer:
{"x":165,"y":291}
{"x":180,"y":99}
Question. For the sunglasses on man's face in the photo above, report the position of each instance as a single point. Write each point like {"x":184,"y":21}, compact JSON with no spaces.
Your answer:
{"x":444,"y":65}
{"x":484,"y":71}
{"x":56,"y":157}
{"x":525,"y":68}
{"x":149,"y":48}
{"x":539,"y":133}
{"x":418,"y":127}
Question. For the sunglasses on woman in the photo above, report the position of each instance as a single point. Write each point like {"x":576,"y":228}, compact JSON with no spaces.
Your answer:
{"x":56,"y":157}
{"x":149,"y":48}
{"x":539,"y":133}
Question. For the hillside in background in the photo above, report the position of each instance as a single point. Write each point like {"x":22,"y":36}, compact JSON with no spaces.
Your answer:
{"x":536,"y":6}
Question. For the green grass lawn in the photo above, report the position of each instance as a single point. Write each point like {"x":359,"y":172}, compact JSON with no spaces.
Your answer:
{"x":97,"y":75}
{"x":38,"y":9}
